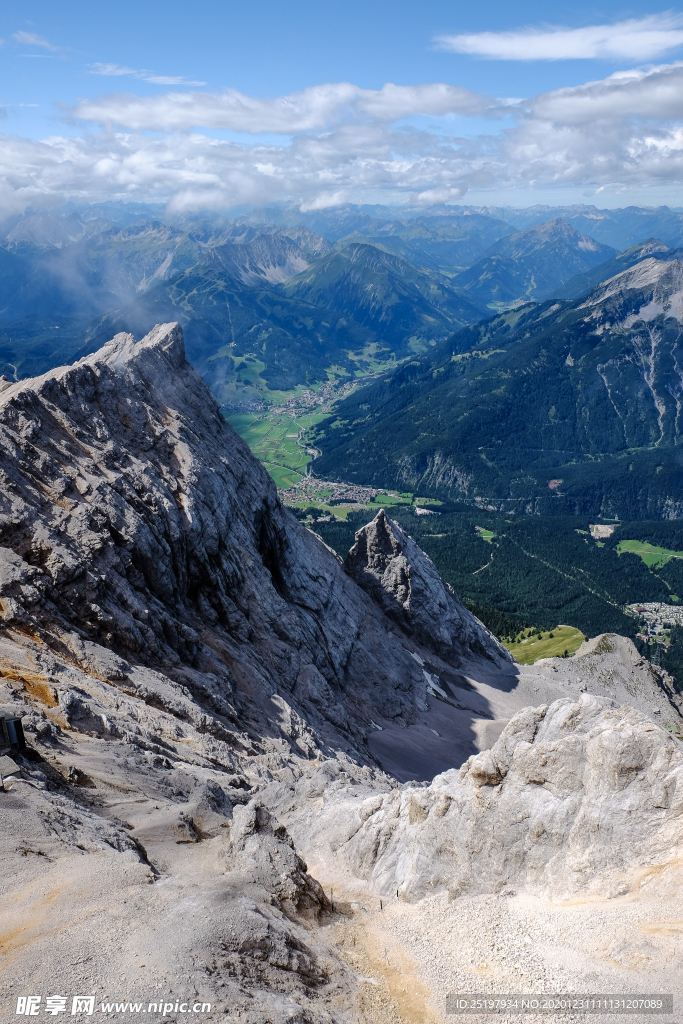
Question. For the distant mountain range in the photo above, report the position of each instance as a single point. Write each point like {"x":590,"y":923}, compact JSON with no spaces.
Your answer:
{"x":238,"y":287}
{"x":276,"y":298}
{"x":572,"y":407}
{"x":617,"y":228}
{"x":532,"y":264}
{"x":295,"y":302}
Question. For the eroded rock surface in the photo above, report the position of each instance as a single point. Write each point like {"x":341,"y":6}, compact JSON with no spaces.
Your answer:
{"x":403,"y":581}
{"x":567,"y":798}
{"x":207,"y":694}
{"x":133,"y":517}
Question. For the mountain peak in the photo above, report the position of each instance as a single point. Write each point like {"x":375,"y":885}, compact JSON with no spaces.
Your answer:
{"x":533,"y":264}
{"x":553,"y":230}
{"x":403,"y":581}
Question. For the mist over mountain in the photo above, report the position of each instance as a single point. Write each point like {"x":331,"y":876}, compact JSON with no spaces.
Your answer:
{"x":297,"y":293}
{"x":71,"y":277}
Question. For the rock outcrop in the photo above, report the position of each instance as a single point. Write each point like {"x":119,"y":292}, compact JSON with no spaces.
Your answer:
{"x":610,"y":666}
{"x":201,"y":685}
{"x":404,"y":582}
{"x":575,"y":797}
{"x":134,"y":518}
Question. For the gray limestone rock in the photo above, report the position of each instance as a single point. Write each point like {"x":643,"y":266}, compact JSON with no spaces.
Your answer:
{"x":569,"y":797}
{"x":134,"y":519}
{"x":202,"y":685}
{"x":403,"y":581}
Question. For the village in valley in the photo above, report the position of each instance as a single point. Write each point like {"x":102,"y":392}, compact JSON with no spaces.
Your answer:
{"x":656,"y":620}
{"x":277,"y":426}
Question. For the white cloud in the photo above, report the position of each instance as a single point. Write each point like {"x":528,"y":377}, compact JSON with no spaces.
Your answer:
{"x":655,"y":94}
{"x":317,"y":108}
{"x":342,"y":145}
{"x":31,"y":39}
{"x":117,"y":70}
{"x":638,"y":39}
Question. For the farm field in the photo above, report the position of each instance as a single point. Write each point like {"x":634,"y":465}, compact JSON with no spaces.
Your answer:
{"x":486,"y":535}
{"x":278,"y":440}
{"x":277,"y":425}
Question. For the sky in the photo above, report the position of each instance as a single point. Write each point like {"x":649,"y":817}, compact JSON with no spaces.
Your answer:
{"x":218,"y":104}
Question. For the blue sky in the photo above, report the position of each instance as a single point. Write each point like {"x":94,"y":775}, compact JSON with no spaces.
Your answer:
{"x":221,"y":103}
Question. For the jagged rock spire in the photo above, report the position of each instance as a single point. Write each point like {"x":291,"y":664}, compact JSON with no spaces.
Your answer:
{"x":403,"y":581}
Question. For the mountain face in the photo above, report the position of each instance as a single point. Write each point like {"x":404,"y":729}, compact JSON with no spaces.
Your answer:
{"x":385,"y":294}
{"x":561,"y":407}
{"x":532,"y":264}
{"x":155,"y":534}
{"x":584,"y":283}
{"x":55,"y":286}
{"x":208,"y":696}
{"x":223,"y":318}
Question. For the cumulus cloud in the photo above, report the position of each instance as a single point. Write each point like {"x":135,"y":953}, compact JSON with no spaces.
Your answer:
{"x":655,"y":94}
{"x":31,"y":39}
{"x":118,"y":70}
{"x":638,"y":39}
{"x":343,"y":143}
{"x":313,"y":109}
{"x":194,"y":171}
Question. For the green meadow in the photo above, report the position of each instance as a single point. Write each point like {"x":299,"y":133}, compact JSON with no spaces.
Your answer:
{"x":653,"y":556}
{"x":531,"y":645}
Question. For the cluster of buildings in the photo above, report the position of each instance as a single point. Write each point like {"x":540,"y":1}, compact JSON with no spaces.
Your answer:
{"x":657,"y":619}
{"x":311,"y":489}
{"x":308,"y":399}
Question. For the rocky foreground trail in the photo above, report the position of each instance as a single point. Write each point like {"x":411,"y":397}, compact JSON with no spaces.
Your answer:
{"x":283,"y":787}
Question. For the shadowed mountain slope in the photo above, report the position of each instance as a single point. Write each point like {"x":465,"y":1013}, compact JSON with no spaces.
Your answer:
{"x":384,"y":293}
{"x":559,"y":407}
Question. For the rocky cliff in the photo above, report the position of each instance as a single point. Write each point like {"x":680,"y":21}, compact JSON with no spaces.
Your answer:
{"x":133,"y":518}
{"x":210,"y":698}
{"x":402,"y":580}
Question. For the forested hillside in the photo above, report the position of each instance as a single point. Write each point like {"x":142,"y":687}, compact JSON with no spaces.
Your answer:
{"x":532,"y":264}
{"x":553,"y":409}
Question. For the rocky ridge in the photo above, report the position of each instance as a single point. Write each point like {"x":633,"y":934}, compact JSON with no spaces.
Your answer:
{"x":568,"y":798}
{"x":209,"y":695}
{"x":133,"y":518}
